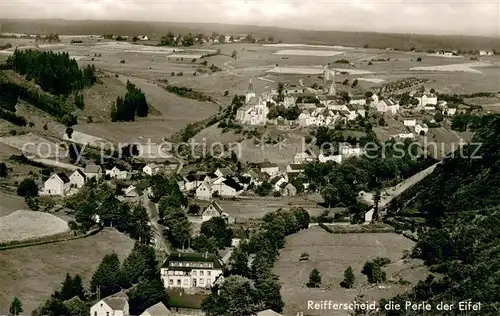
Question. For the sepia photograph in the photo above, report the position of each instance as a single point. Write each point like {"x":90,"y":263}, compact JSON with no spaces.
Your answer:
{"x":250,"y":158}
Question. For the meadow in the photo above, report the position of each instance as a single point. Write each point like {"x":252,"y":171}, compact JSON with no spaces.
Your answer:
{"x":33,"y":273}
{"x":331,"y":254}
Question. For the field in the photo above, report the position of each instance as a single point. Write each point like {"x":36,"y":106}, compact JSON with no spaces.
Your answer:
{"x":32,"y":274}
{"x":10,"y":203}
{"x":32,"y":144}
{"x":331,"y":255}
{"x":315,"y":53}
{"x":25,"y":225}
{"x":256,"y":207}
{"x":468,"y":67}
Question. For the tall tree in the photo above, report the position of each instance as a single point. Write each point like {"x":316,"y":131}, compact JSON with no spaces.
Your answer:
{"x":349,"y":278}
{"x":140,"y":265}
{"x":108,"y":276}
{"x":27,"y":188}
{"x":16,"y":307}
{"x":3,"y":170}
{"x":145,"y":294}
{"x":314,"y":278}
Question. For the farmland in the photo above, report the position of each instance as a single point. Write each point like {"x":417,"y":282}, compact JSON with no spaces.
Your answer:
{"x":10,"y":203}
{"x":25,"y":225}
{"x":33,"y":273}
{"x":331,"y":255}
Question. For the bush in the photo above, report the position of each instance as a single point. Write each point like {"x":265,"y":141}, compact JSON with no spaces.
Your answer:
{"x":419,"y":59}
{"x":27,"y":188}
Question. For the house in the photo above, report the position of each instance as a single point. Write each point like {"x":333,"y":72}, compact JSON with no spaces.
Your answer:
{"x":485,"y":53}
{"x":158,"y":309}
{"x":369,"y":216}
{"x":215,"y":210}
{"x":151,"y":169}
{"x":267,"y":312}
{"x":204,"y":191}
{"x":116,"y":173}
{"x":181,"y":181}
{"x":224,"y":172}
{"x":271,"y":169}
{"x":191,"y":270}
{"x":295,"y":168}
{"x":253,"y":113}
{"x":256,"y":177}
{"x":77,"y":179}
{"x":143,"y":38}
{"x":326,"y":158}
{"x":426,"y":98}
{"x":57,"y":184}
{"x":303,"y":157}
{"x":358,"y":100}
{"x":410,"y":122}
{"x":288,"y":189}
{"x":110,"y":306}
{"x":347,"y":150}
{"x":227,"y":188}
{"x":388,"y":106}
{"x":192,"y":182}
{"x":421,"y":129}
{"x":277,"y":182}
{"x":93,"y":171}
{"x":235,"y":242}
{"x":130,"y":192}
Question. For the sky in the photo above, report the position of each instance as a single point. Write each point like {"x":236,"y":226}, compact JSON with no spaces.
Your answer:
{"x":467,"y":17}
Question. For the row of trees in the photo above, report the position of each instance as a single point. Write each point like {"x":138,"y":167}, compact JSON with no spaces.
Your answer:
{"x":56,"y":73}
{"x":133,"y":104}
{"x":252,"y":286}
{"x":291,"y":113}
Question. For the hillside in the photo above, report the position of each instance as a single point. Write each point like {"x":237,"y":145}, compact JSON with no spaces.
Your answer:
{"x":356,"y":39}
{"x":458,"y":208}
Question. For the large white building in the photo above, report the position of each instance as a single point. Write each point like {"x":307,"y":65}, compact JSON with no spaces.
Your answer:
{"x":255,"y":110}
{"x":191,"y":270}
{"x":426,"y":98}
{"x":58,"y":184}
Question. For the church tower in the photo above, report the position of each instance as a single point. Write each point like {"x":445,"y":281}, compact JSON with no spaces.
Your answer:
{"x":250,"y":93}
{"x":329,"y":81}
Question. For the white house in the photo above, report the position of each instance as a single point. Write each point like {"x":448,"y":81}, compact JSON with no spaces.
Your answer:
{"x":326,"y":158}
{"x":226,"y":187}
{"x":77,"y":179}
{"x":347,"y":150}
{"x":151,"y":169}
{"x":143,"y":37}
{"x":426,"y":98}
{"x":224,"y":172}
{"x":288,"y":189}
{"x":204,"y":191}
{"x":271,"y":169}
{"x":410,"y":122}
{"x":302,"y":157}
{"x":158,"y":309}
{"x":93,"y":171}
{"x":110,"y":306}
{"x":116,"y":173}
{"x":254,"y":113}
{"x":358,"y":100}
{"x":277,"y":182}
{"x":419,"y":128}
{"x":369,"y":216}
{"x":215,"y":210}
{"x":57,"y":184}
{"x":130,"y":192}
{"x":388,"y":106}
{"x":190,"y":270}
{"x":485,"y":53}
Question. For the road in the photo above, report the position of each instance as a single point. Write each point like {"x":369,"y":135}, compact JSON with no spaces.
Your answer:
{"x":230,"y":69}
{"x":152,"y":210}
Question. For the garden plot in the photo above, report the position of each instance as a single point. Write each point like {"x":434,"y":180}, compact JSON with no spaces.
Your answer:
{"x":34,"y":145}
{"x":374,"y":80}
{"x":28,"y":225}
{"x":315,"y":53}
{"x":468,"y":67}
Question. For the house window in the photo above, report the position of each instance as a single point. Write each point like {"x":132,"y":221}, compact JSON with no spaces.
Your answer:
{"x":179,"y":282}
{"x":201,"y":273}
{"x":208,"y":273}
{"x":209,"y":281}
{"x":202,"y":281}
{"x":185,"y":282}
{"x":194,"y":272}
{"x":171,"y":282}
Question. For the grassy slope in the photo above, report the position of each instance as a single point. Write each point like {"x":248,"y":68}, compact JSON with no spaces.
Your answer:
{"x":33,"y":273}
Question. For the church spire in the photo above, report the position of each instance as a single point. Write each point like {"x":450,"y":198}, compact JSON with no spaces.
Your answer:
{"x":250,"y":86}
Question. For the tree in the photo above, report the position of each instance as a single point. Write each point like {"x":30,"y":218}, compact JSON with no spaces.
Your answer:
{"x":52,"y":307}
{"x":268,"y":287}
{"x":239,"y":262}
{"x":3,"y":170}
{"x":145,"y":294}
{"x":108,"y":277}
{"x":27,"y":188}
{"x":139,"y":265}
{"x":376,"y":202}
{"x":217,"y":227}
{"x":349,"y":278}
{"x":16,"y":307}
{"x":419,"y":59}
{"x":354,"y":83}
{"x":314,"y":279}
{"x":141,"y":229}
{"x":237,"y":296}
{"x":281,"y":88}
{"x":234,"y":54}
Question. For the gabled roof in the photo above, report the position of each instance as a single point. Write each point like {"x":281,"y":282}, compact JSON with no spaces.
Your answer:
{"x":297,"y":166}
{"x":158,"y":309}
{"x":116,"y":303}
{"x":233,"y":184}
{"x":216,"y":206}
{"x":80,"y":172}
{"x":266,"y":164}
{"x":275,"y":179}
{"x":63,"y":177}
{"x":226,"y":172}
{"x":92,"y":169}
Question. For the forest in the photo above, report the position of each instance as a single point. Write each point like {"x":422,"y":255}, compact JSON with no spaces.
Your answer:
{"x":133,"y":104}
{"x":56,"y":73}
{"x":455,"y":212}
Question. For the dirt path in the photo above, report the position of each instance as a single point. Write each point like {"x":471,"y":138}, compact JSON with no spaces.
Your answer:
{"x":152,"y":210}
